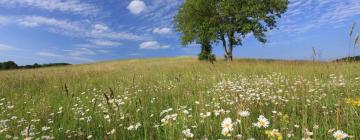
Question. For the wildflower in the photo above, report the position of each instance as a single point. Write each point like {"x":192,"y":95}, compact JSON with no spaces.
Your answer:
{"x":45,"y":128}
{"x":205,"y":115}
{"x":226,"y":132}
{"x":10,"y":107}
{"x":244,"y":113}
{"x":238,"y":136}
{"x":274,"y":134}
{"x":168,"y":118}
{"x":307,"y":134}
{"x":262,"y":122}
{"x":28,"y":138}
{"x":47,"y":137}
{"x":89,"y":137}
{"x":165,"y":111}
{"x":316,"y":126}
{"x":354,"y":102}
{"x":111,"y":132}
{"x":134,"y":127}
{"x":187,"y":133}
{"x":227,"y":127}
{"x":290,"y":135}
{"x":13,"y":117}
{"x":339,"y":135}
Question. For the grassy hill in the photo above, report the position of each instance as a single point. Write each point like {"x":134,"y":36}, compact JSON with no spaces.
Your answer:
{"x":177,"y":98}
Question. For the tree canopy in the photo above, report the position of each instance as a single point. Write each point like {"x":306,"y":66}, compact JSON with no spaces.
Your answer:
{"x":196,"y":20}
{"x":228,"y":21}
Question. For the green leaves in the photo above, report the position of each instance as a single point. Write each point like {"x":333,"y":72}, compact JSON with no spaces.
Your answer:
{"x":228,"y":21}
{"x":195,"y":21}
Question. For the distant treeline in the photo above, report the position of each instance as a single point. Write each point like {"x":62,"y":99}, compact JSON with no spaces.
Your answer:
{"x":12,"y":65}
{"x":349,"y":59}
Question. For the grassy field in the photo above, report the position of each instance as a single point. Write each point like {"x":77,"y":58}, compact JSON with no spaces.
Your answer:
{"x":182,"y":98}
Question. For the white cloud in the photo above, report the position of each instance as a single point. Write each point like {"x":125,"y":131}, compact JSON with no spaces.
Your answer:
{"x":63,"y":57}
{"x":105,"y":43}
{"x":136,"y":6}
{"x":4,"y":47}
{"x":69,"y":6}
{"x":103,"y":51}
{"x":162,"y":31}
{"x":81,"y":52}
{"x":48,"y":54}
{"x":153,"y":45}
{"x":101,"y":31}
{"x":36,"y":21}
{"x":119,"y":36}
{"x":74,"y":28}
{"x":100,"y":28}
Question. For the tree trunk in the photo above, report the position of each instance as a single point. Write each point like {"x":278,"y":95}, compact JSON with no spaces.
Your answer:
{"x":228,"y":55}
{"x":229,"y":52}
{"x":206,"y":51}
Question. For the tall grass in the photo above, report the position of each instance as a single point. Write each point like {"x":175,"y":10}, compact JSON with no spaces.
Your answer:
{"x":160,"y":98}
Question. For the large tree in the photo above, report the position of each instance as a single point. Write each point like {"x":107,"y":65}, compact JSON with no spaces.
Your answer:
{"x":229,"y":20}
{"x":196,"y":21}
{"x":239,"y":18}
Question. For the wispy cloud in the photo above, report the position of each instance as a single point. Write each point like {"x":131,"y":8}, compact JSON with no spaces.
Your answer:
{"x":48,"y":54}
{"x":68,"y":6}
{"x":74,"y":28}
{"x":305,"y":15}
{"x":4,"y":47}
{"x":81,"y":52}
{"x":105,"y":43}
{"x":63,"y":57}
{"x":162,"y":31}
{"x":153,"y":45}
{"x":61,"y":26}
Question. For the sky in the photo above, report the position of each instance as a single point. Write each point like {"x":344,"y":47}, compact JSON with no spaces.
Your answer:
{"x":87,"y":31}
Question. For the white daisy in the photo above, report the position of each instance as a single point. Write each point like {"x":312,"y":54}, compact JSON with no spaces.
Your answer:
{"x":187,"y":133}
{"x":262,"y":122}
{"x":339,"y":135}
{"x":244,"y":113}
{"x":227,"y":127}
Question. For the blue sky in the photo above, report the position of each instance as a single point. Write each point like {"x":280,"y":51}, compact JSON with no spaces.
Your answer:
{"x":85,"y":31}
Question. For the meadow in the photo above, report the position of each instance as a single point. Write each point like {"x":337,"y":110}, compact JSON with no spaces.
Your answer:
{"x":182,"y":98}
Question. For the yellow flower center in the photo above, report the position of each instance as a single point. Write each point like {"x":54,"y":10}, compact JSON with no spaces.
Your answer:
{"x":227,"y":125}
{"x":262,"y":123}
{"x":339,"y":136}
